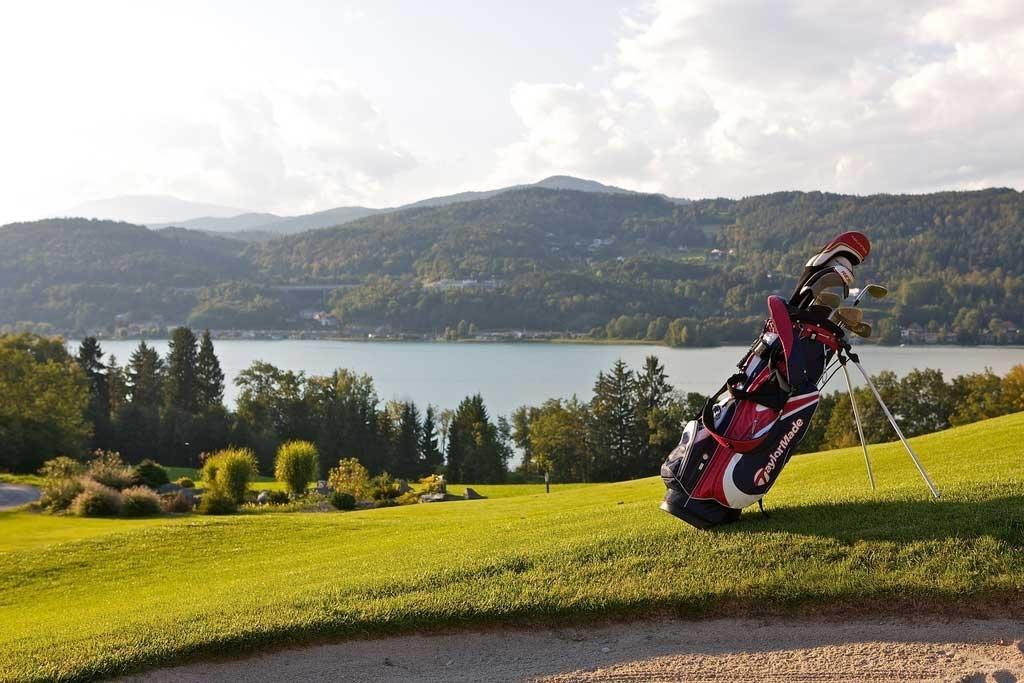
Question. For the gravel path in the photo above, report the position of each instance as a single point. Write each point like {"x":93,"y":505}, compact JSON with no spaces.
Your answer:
{"x":13,"y":495}
{"x":720,"y":650}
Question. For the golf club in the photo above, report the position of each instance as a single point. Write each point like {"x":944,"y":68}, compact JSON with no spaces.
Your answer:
{"x":872,"y":290}
{"x":850,"y":314}
{"x":828,"y":299}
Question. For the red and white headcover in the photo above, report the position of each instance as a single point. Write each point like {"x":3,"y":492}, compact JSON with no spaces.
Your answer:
{"x":851,"y":245}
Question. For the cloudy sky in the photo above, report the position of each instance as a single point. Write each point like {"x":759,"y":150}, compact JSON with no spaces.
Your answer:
{"x":295,"y":107}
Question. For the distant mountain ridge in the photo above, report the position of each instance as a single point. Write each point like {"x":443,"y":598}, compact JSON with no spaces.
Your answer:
{"x":262,"y":225}
{"x":146,"y":209}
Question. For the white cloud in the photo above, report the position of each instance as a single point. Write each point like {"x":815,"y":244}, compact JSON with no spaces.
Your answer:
{"x":736,"y":98}
{"x":126,"y":98}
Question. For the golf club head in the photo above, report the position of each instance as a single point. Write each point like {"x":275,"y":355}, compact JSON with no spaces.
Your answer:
{"x":850,"y":314}
{"x":876,"y":291}
{"x":828,"y":299}
{"x":872,"y":290}
{"x":861,"y":329}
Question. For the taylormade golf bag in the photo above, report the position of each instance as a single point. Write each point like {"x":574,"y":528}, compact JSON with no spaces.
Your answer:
{"x":732,"y":454}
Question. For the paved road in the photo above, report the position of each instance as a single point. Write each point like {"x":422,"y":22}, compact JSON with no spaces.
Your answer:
{"x":873,"y":650}
{"x":13,"y":495}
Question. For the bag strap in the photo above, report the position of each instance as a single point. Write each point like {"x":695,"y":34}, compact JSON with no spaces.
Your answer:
{"x":737,"y":445}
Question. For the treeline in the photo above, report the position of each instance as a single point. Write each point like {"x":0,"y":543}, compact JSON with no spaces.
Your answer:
{"x":171,"y":409}
{"x":634,"y":419}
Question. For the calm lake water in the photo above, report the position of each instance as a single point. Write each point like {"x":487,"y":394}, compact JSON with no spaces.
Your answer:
{"x":510,"y":375}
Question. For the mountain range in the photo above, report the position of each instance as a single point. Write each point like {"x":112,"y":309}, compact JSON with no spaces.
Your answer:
{"x":614,"y":264}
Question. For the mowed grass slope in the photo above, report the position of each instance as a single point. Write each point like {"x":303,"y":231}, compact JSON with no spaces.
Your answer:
{"x":129,"y":595}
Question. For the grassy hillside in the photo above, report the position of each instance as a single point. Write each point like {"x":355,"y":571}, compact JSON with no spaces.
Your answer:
{"x":85,"y":598}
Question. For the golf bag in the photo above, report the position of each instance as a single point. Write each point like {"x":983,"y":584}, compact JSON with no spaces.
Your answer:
{"x":733,"y":452}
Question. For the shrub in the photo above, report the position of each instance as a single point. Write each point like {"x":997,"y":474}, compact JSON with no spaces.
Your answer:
{"x":408,"y":498}
{"x":176,"y":502}
{"x":432,"y":484}
{"x":185,"y":483}
{"x":61,"y":483}
{"x":58,"y":494}
{"x":350,"y":477}
{"x":61,"y":468}
{"x":96,"y":500}
{"x":297,"y":464}
{"x":277,"y":497}
{"x":343,"y":500}
{"x":149,"y":473}
{"x":139,"y":501}
{"x":230,"y":471}
{"x":385,"y":487}
{"x":217,"y":501}
{"x":109,"y":469}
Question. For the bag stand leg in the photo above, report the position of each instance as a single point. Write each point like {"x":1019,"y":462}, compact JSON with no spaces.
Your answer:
{"x":860,"y":427}
{"x":899,"y":432}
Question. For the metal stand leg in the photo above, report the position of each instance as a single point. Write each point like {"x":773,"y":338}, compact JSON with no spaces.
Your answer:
{"x":899,"y":432}
{"x":860,"y":427}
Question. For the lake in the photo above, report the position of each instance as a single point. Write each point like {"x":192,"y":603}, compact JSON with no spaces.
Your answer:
{"x":510,"y":375}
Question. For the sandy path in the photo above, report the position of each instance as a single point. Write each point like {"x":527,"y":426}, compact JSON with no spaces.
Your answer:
{"x":13,"y":495}
{"x":721,"y":650}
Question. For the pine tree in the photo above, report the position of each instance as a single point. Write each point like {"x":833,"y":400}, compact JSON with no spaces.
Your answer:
{"x":117,"y":386}
{"x":209,"y":376}
{"x":182,"y":383}
{"x":145,"y":372}
{"x":615,"y":434}
{"x":408,"y":464}
{"x":432,"y":458}
{"x":90,"y":359}
{"x":476,"y":449}
{"x":656,"y":423}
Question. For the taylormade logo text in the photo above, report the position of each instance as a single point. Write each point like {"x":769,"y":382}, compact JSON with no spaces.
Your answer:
{"x":763,"y":475}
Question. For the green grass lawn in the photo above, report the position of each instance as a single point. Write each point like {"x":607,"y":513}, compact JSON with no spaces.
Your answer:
{"x":86,"y":598}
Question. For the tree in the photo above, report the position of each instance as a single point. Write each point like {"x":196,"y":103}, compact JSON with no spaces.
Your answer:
{"x":145,"y":374}
{"x":615,"y":436}
{"x":42,"y":404}
{"x":475,"y":450}
{"x":1013,"y":388}
{"x":924,"y":402}
{"x":560,"y":442}
{"x":522,"y":419}
{"x":978,"y":396}
{"x":445,"y":424}
{"x":433,"y":458}
{"x":182,"y":379}
{"x":117,"y":386}
{"x":407,"y":461}
{"x":656,"y":423}
{"x":209,"y":376}
{"x":271,"y":409}
{"x":137,"y":419}
{"x":90,"y":359}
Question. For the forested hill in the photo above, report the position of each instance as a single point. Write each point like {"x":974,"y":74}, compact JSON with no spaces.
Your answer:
{"x":519,"y":231}
{"x":619,"y":265}
{"x":85,"y":251}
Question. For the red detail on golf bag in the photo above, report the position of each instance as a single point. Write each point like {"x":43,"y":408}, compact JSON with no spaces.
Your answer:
{"x":732,"y":454}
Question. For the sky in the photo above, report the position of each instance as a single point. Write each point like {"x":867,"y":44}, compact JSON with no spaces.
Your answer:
{"x":296,"y":107}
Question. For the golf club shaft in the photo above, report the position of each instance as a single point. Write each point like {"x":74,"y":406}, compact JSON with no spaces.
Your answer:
{"x":860,"y":428}
{"x":899,"y":432}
